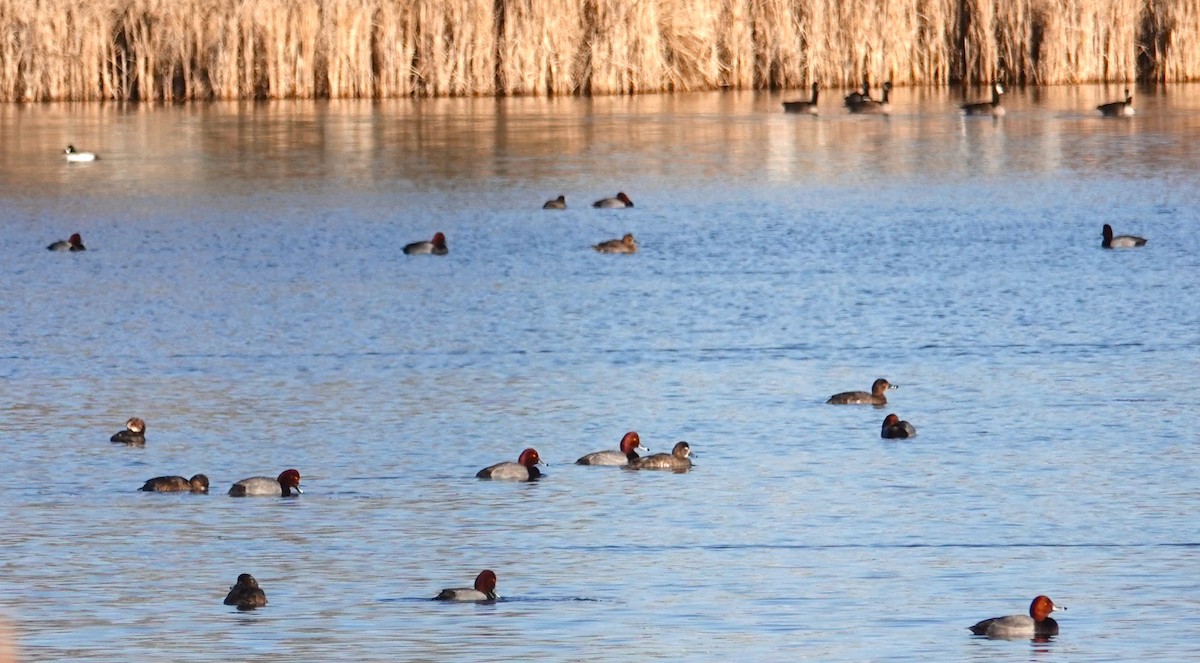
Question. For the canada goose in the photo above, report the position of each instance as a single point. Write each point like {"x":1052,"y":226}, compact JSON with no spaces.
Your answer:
{"x":992,"y":107}
{"x":857,"y":97}
{"x":1118,"y":108}
{"x":809,"y":107}
{"x":1120,"y":241}
{"x":868,"y":105}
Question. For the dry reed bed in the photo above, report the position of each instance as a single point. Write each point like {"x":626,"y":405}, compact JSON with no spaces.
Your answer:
{"x":229,"y":49}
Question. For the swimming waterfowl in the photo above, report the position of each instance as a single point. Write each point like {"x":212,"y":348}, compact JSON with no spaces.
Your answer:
{"x":1119,"y":241}
{"x":877,"y":395}
{"x":73,"y":243}
{"x":895,"y":429}
{"x":617,"y":202}
{"x":870,"y":106}
{"x":484,"y":590}
{"x":75,"y":155}
{"x":246,"y":594}
{"x":525,"y":469}
{"x":197,"y":484}
{"x":435,"y":246}
{"x":134,"y":434}
{"x":281,"y":486}
{"x":809,"y":107}
{"x":857,"y":97}
{"x":1118,"y":108}
{"x":1037,"y":623}
{"x":678,"y":460}
{"x":992,"y":107}
{"x":558,"y":203}
{"x":630,"y":445}
{"x":626,"y":244}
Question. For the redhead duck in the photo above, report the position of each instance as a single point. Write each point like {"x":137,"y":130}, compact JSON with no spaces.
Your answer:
{"x":876,"y":397}
{"x":525,"y":469}
{"x":620,"y":201}
{"x":436,"y":246}
{"x":626,"y":244}
{"x":868,"y":106}
{"x":1037,"y":623}
{"x":895,"y":429}
{"x":197,"y":484}
{"x":1118,"y":108}
{"x":484,"y":590}
{"x":76,"y":155}
{"x":246,"y":594}
{"x":809,"y":107}
{"x":558,"y":203}
{"x":630,"y":445}
{"x":992,"y":107}
{"x":134,"y":434}
{"x":73,"y":243}
{"x":678,"y":460}
{"x":282,"y":486}
{"x":1120,"y":241}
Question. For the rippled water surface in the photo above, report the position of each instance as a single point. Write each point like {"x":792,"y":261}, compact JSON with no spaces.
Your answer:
{"x":244,"y":292}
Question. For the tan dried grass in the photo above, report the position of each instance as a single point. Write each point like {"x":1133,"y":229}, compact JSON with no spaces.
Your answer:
{"x":237,"y":49}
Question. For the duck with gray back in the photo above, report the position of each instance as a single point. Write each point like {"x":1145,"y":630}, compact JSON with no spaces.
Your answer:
{"x":1111,"y":241}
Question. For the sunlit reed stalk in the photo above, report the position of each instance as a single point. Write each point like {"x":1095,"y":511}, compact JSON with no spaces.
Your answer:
{"x":241,"y":49}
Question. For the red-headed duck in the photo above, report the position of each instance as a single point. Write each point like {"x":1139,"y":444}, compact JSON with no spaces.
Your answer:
{"x":992,"y":108}
{"x":1119,"y":241}
{"x":630,"y":445}
{"x":134,"y":434}
{"x":895,"y":429}
{"x":281,"y":486}
{"x":558,"y":203}
{"x":484,"y":590}
{"x":197,"y":484}
{"x":525,"y":469}
{"x":678,"y":460}
{"x":867,"y":106}
{"x":436,"y":246}
{"x":626,"y":244}
{"x":809,"y":107}
{"x":75,"y":155}
{"x":1118,"y":108}
{"x":246,"y":594}
{"x":620,"y":201}
{"x":73,"y":243}
{"x":1036,"y":623}
{"x":877,"y":395}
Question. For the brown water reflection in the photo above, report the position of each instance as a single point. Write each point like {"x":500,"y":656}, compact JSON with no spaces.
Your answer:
{"x":440,"y":143}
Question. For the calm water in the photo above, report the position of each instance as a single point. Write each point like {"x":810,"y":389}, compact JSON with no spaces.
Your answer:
{"x":244,"y":292}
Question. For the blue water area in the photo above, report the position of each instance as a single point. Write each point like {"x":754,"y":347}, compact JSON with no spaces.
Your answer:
{"x":244,"y":292}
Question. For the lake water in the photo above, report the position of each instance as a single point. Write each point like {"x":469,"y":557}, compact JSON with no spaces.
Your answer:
{"x":244,"y":292}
